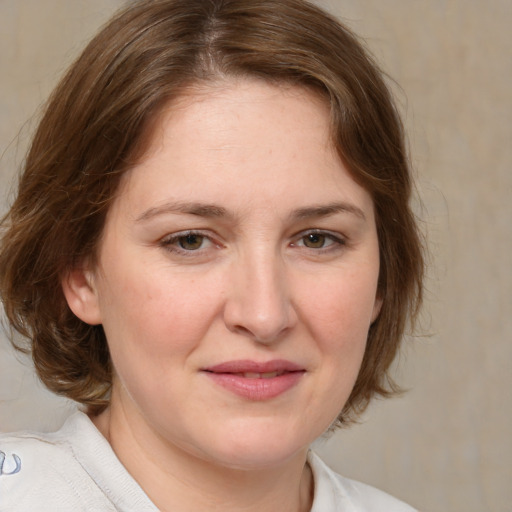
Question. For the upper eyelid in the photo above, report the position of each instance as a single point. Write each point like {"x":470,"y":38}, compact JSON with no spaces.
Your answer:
{"x":318,"y":231}
{"x":186,"y":232}
{"x":183,"y":232}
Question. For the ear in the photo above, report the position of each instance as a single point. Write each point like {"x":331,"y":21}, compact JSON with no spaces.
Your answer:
{"x":80,"y":292}
{"x":377,"y":306}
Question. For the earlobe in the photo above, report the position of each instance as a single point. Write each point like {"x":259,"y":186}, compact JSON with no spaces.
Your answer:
{"x":80,"y":292}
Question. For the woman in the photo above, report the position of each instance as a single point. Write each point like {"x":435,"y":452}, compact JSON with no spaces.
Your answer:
{"x":212,"y":251}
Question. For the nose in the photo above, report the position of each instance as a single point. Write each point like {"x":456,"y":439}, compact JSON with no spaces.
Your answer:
{"x":258,"y":304}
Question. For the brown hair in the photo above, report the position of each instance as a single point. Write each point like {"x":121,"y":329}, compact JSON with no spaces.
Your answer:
{"x":96,"y":125}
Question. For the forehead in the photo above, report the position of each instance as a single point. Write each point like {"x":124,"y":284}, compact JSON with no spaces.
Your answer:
{"x":239,"y":141}
{"x":221,"y":108}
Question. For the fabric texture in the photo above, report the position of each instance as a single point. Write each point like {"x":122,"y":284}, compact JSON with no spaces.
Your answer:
{"x":75,"y":469}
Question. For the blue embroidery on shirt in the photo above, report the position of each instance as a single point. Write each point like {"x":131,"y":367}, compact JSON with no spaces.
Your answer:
{"x":17,"y":460}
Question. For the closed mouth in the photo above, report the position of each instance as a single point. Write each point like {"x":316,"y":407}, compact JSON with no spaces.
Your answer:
{"x":255,"y":375}
{"x":256,"y":381}
{"x":255,"y":370}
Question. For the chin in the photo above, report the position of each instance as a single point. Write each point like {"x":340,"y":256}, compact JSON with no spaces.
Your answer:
{"x":258,"y":448}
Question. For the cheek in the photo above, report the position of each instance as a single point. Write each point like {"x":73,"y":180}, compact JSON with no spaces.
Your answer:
{"x":337,"y":316}
{"x":157,"y":314}
{"x":339,"y":310}
{"x":152,"y":325}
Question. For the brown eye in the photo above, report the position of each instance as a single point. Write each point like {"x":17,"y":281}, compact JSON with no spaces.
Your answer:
{"x":314,"y":240}
{"x":191,"y":242}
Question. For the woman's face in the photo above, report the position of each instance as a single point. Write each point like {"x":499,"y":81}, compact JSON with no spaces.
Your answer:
{"x":237,"y":277}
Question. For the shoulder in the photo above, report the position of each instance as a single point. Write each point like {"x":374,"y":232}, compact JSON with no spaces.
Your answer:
{"x":32,"y":454}
{"x":335,"y":493}
{"x":41,"y":470}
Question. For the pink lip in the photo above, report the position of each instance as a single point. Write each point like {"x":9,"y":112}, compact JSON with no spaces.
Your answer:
{"x":230,"y":376}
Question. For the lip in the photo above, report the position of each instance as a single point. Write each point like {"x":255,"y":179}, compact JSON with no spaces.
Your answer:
{"x":241,"y":377}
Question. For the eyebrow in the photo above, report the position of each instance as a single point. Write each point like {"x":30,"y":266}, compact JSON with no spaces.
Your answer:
{"x":193,"y":208}
{"x":327,"y":210}
{"x":213,"y":210}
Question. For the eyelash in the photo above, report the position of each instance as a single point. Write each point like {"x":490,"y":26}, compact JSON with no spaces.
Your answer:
{"x":336,"y":240}
{"x":172,"y":243}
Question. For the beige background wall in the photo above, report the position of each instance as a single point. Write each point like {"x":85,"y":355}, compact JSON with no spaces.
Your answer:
{"x":445,"y":446}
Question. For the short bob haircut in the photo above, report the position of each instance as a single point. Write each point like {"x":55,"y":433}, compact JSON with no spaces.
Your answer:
{"x":97,"y":125}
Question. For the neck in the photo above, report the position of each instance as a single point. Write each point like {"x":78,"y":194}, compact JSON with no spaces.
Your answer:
{"x":174,"y":479}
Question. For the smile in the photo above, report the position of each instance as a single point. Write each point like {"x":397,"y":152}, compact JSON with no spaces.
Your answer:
{"x":256,"y":381}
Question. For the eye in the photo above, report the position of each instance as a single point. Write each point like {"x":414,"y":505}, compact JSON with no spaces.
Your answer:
{"x":190,"y":242}
{"x":319,"y":240}
{"x":315,"y":240}
{"x":186,"y":242}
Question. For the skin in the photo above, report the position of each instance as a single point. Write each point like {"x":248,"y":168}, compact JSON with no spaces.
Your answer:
{"x":282,"y":263}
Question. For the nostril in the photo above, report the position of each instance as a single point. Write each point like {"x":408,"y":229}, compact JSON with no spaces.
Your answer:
{"x":240,"y":329}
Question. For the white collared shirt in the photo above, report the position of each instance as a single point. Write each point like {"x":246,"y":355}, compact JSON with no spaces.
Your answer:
{"x":75,"y":469}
